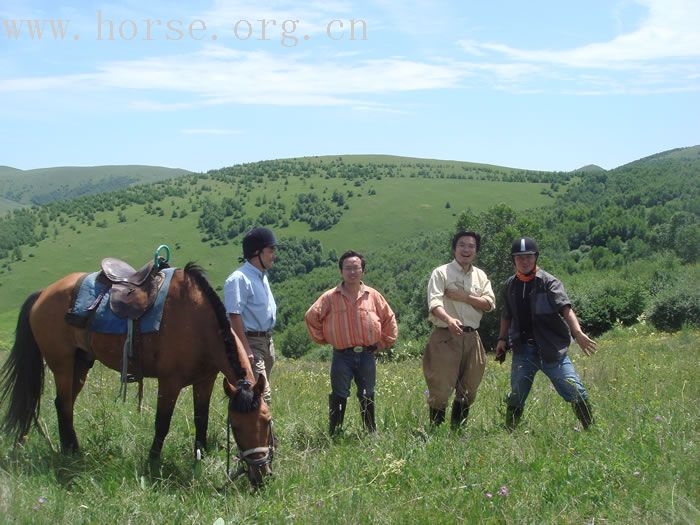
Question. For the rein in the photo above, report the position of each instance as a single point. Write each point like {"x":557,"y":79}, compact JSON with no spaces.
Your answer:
{"x":244,"y":455}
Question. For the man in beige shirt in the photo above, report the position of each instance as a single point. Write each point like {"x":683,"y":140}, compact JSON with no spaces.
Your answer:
{"x":454,"y":360}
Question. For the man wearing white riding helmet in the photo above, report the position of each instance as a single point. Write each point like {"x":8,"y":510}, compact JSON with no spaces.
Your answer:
{"x":537,"y":322}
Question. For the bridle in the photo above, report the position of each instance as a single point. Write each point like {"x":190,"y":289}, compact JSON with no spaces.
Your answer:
{"x":244,"y":456}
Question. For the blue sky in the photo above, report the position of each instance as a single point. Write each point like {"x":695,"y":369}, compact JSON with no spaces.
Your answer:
{"x":549,"y":85}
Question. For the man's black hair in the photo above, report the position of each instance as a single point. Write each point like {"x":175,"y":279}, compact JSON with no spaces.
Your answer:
{"x":351,"y":253}
{"x":463,"y":233}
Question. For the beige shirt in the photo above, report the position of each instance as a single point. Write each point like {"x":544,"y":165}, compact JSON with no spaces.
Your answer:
{"x":453,"y":277}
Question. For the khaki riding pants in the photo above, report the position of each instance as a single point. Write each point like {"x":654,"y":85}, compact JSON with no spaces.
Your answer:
{"x":453,"y":363}
{"x":264,"y":352}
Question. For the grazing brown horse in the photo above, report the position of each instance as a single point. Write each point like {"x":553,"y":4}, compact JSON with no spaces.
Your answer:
{"x":195,"y":342}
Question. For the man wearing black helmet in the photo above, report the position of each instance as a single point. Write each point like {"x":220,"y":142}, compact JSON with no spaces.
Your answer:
{"x":250,"y":304}
{"x":538,"y":322}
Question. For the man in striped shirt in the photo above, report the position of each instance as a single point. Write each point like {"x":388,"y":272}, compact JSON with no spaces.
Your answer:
{"x":358,"y":322}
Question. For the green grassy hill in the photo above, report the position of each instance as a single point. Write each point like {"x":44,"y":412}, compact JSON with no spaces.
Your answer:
{"x":385,"y":199}
{"x":587,"y":221}
{"x":44,"y":185}
{"x":8,"y":205}
{"x":590,"y":168}
{"x":688,"y":154}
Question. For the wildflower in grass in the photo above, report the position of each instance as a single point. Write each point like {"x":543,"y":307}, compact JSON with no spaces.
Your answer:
{"x":503,"y":491}
{"x":658,"y":418}
{"x":577,"y":429}
{"x":636,"y":473}
{"x":488,"y":495}
{"x":36,"y":507}
{"x":42,"y":500}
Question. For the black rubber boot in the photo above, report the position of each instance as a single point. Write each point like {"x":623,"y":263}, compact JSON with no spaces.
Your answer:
{"x":336,"y":412}
{"x":437,"y":416}
{"x":367,"y":412}
{"x":582,"y":409}
{"x":460,"y":413}
{"x":513,"y":415}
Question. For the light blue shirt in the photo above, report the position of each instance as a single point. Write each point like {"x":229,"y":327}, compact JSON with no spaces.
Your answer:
{"x":247,"y":293}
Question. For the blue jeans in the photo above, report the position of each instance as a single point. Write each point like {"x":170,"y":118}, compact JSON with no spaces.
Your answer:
{"x":561,"y":373}
{"x":347,"y":365}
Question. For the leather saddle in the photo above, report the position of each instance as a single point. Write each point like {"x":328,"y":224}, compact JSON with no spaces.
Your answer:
{"x":133,"y":292}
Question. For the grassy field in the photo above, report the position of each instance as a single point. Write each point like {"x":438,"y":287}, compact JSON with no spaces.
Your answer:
{"x":638,"y":464}
{"x":402,"y":207}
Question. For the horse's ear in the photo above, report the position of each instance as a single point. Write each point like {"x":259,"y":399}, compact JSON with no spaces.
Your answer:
{"x":229,"y":388}
{"x":259,"y":387}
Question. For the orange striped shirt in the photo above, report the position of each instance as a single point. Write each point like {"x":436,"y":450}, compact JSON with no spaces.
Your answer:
{"x":342,"y":321}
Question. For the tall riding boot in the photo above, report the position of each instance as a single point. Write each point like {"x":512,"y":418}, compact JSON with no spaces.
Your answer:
{"x":582,"y":409}
{"x":367,"y":411}
{"x":460,"y":412}
{"x":336,"y":412}
{"x":437,"y":416}
{"x":513,"y":415}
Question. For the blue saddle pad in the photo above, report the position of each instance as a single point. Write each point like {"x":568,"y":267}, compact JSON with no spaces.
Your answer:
{"x":103,"y":319}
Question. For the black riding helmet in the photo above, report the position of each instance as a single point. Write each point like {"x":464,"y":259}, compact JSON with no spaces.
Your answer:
{"x":524,"y":246}
{"x":257,"y":239}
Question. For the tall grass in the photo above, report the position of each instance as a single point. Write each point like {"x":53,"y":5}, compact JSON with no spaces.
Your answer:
{"x":638,"y":464}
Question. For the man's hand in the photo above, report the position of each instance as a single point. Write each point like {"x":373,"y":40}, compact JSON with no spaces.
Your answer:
{"x":454,"y":326}
{"x":501,"y":351}
{"x":587,"y":345}
{"x":456,"y":295}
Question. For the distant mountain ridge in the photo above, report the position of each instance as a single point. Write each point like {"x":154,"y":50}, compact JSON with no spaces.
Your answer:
{"x":590,"y":168}
{"x":40,"y":186}
{"x":20,"y":188}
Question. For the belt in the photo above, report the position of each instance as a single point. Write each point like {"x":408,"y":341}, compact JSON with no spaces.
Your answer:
{"x":467,"y":329}
{"x":357,"y":349}
{"x":530,"y":341}
{"x":252,"y":333}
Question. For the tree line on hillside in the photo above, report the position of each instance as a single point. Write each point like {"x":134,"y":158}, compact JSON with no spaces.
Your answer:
{"x":658,"y":289}
{"x":605,"y":220}
{"x":600,"y":225}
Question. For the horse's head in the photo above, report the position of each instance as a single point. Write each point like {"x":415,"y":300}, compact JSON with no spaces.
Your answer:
{"x":251,"y":424}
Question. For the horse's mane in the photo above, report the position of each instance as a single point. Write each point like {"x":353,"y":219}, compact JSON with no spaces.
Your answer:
{"x":245,"y":399}
{"x":194,"y":271}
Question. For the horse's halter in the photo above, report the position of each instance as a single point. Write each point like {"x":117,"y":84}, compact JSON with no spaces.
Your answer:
{"x":244,"y":455}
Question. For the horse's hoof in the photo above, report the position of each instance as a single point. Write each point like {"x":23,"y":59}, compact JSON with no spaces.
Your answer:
{"x":198,"y":454}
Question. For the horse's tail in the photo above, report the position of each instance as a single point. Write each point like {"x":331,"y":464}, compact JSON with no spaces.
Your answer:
{"x":22,"y":377}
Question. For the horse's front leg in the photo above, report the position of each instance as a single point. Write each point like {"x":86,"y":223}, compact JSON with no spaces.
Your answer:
{"x":201,"y":394}
{"x":167,"y":396}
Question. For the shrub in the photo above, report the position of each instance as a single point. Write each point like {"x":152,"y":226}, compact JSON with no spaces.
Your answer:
{"x":296,"y":341}
{"x":322,"y":354}
{"x":601,"y":304}
{"x":675,"y":306}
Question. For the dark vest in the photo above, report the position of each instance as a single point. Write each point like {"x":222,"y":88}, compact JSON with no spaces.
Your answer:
{"x":547,"y":297}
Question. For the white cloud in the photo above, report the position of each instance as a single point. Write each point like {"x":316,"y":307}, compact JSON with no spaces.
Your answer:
{"x":670,"y":31}
{"x":658,"y":56}
{"x":218,"y":75}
